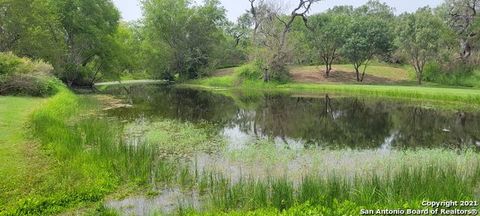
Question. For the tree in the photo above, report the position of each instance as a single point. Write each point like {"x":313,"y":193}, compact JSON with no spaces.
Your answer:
{"x":15,"y":17}
{"x":183,"y":35}
{"x":274,"y":27}
{"x":418,"y":38}
{"x":367,"y":36}
{"x":240,"y":31}
{"x":327,"y":36}
{"x":463,"y":19}
{"x":88,"y":28}
{"x":130,"y":39}
{"x":30,"y":28}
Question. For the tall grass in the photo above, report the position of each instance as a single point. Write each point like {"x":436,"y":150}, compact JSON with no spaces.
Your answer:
{"x":407,"y":187}
{"x":91,"y":158}
{"x":404,"y":181}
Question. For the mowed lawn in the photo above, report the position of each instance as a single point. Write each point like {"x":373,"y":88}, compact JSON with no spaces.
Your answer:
{"x":20,"y":162}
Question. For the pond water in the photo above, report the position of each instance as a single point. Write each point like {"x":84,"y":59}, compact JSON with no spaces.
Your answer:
{"x":272,"y":135}
{"x":299,"y":122}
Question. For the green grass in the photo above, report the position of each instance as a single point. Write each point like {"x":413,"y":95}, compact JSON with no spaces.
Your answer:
{"x":394,"y":73}
{"x":457,"y":96}
{"x":84,"y":151}
{"x":19,"y":164}
{"x":89,"y":156}
{"x":400,"y":182}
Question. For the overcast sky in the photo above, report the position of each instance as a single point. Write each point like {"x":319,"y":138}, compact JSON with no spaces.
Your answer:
{"x":131,"y":10}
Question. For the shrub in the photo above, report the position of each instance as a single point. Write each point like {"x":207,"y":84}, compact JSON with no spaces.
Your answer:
{"x":9,"y":63}
{"x":22,"y":76}
{"x":251,"y":71}
{"x":37,"y":85}
{"x":457,"y":74}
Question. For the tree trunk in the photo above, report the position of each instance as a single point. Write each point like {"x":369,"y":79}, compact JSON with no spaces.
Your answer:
{"x":420,"y":77}
{"x":363,"y":75}
{"x":327,"y":70}
{"x":466,"y":49}
{"x":357,"y":72}
{"x":266,"y":75}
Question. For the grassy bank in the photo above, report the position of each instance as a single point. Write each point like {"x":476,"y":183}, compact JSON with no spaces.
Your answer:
{"x":72,"y":178}
{"x":465,"y":96}
{"x":89,"y":157}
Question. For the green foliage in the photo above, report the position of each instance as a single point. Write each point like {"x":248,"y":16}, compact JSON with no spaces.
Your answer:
{"x":368,"y":36}
{"x":22,"y":76}
{"x":88,"y":28}
{"x":454,"y":75}
{"x":327,"y":36}
{"x":29,"y":85}
{"x":251,"y":71}
{"x":189,"y":41}
{"x":76,"y":37}
{"x":419,"y":38}
{"x":12,"y":64}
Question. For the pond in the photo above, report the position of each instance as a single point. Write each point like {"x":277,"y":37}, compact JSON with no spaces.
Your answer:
{"x":289,"y":137}
{"x":299,"y":122}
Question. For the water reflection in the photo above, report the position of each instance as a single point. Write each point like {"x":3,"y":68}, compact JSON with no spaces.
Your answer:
{"x":303,"y":122}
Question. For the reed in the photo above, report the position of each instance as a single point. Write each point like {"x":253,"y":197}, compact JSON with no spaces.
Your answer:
{"x":406,"y":184}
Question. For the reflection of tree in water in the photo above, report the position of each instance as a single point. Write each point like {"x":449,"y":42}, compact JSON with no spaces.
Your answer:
{"x":325,"y":122}
{"x":181,"y":104}
{"x":426,"y":128}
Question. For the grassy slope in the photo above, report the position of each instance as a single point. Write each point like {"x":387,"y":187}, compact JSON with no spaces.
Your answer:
{"x":427,"y":92}
{"x":381,"y":70}
{"x":18,"y":157}
{"x":66,"y":125}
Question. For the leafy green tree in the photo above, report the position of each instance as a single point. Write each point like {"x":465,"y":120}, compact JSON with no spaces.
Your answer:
{"x":30,"y":28}
{"x":327,"y":36}
{"x":15,"y":17}
{"x":88,"y":28}
{"x":367,"y":37}
{"x":129,"y":38}
{"x":186,"y":34}
{"x":419,"y":38}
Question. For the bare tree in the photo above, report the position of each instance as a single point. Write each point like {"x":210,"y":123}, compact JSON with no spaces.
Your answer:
{"x":301,"y":10}
{"x":463,"y":14}
{"x":274,"y":27}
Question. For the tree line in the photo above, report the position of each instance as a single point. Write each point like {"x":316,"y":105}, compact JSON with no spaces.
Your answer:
{"x":85,"y":41}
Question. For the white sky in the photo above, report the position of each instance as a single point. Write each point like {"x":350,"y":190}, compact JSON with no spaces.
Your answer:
{"x":131,"y":9}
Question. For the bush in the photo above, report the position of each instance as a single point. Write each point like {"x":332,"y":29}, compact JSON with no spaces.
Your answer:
{"x":29,"y":85}
{"x":458,"y":74}
{"x":22,"y":76}
{"x":251,"y":71}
